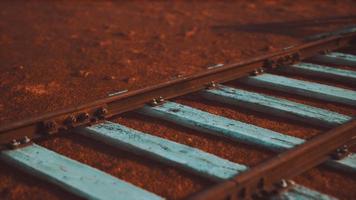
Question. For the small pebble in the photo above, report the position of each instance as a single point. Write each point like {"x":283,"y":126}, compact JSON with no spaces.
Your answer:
{"x":109,"y":78}
{"x":132,"y":34}
{"x":105,"y":43}
{"x":191,"y":33}
{"x":269,"y":48}
{"x":177,"y":76}
{"x":83,"y":73}
{"x":129,"y":79}
{"x":119,"y":34}
{"x":21,"y":67}
{"x":74,"y":36}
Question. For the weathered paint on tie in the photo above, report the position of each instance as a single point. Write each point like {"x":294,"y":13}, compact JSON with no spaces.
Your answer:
{"x":304,"y":88}
{"x":322,"y":71}
{"x":336,"y":58}
{"x":166,"y":151}
{"x":298,"y":192}
{"x":347,"y":164}
{"x":233,"y":129}
{"x":78,"y":178}
{"x":275,"y":106}
{"x":188,"y":158}
{"x":221,"y":126}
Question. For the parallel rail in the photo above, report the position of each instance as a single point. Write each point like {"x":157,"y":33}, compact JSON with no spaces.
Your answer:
{"x":234,"y":181}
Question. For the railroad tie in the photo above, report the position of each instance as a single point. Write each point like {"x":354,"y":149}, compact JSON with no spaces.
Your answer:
{"x":235,"y":130}
{"x":321,"y":71}
{"x":336,"y":58}
{"x":178,"y":155}
{"x":275,"y":106}
{"x":303,"y":88}
{"x":299,"y":192}
{"x":192,"y":159}
{"x":73,"y":176}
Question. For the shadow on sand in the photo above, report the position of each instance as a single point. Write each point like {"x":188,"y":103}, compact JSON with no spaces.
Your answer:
{"x":298,"y":28}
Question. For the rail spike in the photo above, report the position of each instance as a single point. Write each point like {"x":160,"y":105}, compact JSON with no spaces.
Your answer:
{"x":17,"y":143}
{"x":157,"y":101}
{"x":341,"y":153}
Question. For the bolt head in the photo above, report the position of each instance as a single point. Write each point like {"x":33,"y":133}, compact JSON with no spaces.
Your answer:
{"x":14,"y":143}
{"x":283,"y":183}
{"x":256,"y":72}
{"x":25,"y":140}
{"x":83,"y":116}
{"x":213,"y":84}
{"x":154,"y":102}
{"x":101,"y":112}
{"x":161,"y":99}
{"x":70,"y":120}
{"x":291,"y":182}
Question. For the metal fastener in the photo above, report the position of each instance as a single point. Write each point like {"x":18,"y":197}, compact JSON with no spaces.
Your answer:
{"x":14,"y":143}
{"x":212,"y":84}
{"x":157,"y":101}
{"x":25,"y":140}
{"x":154,"y":102}
{"x":70,"y":120}
{"x":341,"y":153}
{"x":283,"y":183}
{"x":161,"y":99}
{"x":83,"y":117}
{"x":291,"y":182}
{"x":101,"y":112}
{"x":258,"y":71}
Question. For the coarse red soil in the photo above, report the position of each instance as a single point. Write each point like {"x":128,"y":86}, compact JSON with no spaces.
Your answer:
{"x":56,"y":54}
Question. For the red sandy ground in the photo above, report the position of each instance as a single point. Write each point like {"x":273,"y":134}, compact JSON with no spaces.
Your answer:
{"x":62,"y":53}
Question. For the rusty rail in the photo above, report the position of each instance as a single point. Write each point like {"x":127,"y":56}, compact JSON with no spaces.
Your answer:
{"x":263,"y":179}
{"x":108,"y":107}
{"x":260,"y":181}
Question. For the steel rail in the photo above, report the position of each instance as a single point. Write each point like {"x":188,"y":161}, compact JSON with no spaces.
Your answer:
{"x":106,"y":108}
{"x":265,"y":177}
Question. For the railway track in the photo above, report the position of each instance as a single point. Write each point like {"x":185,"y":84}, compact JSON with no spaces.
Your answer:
{"x":318,"y":57}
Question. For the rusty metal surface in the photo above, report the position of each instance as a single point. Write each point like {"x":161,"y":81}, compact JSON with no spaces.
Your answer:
{"x":263,"y":179}
{"x":260,"y":181}
{"x":105,"y":108}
